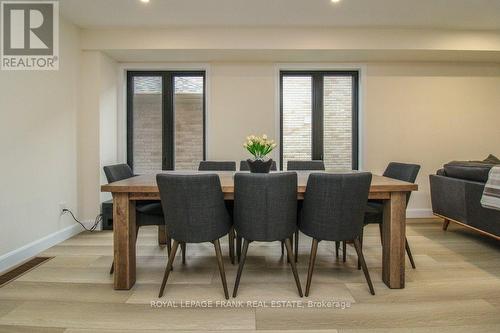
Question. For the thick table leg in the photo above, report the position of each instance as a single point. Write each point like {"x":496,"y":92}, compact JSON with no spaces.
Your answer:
{"x":124,"y":241}
{"x":393,"y":259}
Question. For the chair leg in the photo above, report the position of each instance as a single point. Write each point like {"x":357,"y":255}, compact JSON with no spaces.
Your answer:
{"x":380,"y":228}
{"x":240,"y":267}
{"x":183,"y":249}
{"x":162,"y":235}
{"x":282,"y":248}
{"x":288,"y":245}
{"x":312,"y":259}
{"x":112,"y":269}
{"x":337,"y":246}
{"x":408,"y":251}
{"x":169,"y":245}
{"x":344,"y":251}
{"x":296,"y":250}
{"x":446,"y":223}
{"x":220,"y":262}
{"x":171,"y":258}
{"x":361,"y":244}
{"x":359,"y":251}
{"x":287,"y":254}
{"x":231,"y":245}
{"x":238,"y":247}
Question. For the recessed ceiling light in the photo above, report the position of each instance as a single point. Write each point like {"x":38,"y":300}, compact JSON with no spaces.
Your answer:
{"x":145,"y":1}
{"x":335,"y":1}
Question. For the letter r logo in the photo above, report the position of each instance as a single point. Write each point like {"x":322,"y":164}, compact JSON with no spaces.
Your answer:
{"x":28,"y":28}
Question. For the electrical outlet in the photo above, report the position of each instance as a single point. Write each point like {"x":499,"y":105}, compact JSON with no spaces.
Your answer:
{"x":62,"y":206}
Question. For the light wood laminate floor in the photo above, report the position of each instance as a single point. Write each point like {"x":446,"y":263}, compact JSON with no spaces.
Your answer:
{"x":455,"y":288}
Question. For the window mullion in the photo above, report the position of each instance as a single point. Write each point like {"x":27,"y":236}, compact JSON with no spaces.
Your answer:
{"x":317,"y":116}
{"x":168,"y":122}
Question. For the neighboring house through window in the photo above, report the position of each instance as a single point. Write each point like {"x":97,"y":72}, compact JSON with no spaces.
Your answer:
{"x":319,"y":118}
{"x":166,"y":120}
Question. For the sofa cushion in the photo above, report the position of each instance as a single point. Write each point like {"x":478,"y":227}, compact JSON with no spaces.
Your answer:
{"x":475,"y":171}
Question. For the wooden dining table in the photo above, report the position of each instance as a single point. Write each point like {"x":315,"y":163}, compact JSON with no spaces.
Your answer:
{"x":126,"y":192}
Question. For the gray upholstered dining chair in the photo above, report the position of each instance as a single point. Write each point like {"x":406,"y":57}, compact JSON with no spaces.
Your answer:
{"x":217,"y":166}
{"x":220,"y":166}
{"x":148,"y":212}
{"x":312,"y":165}
{"x":194,"y":213}
{"x":305,"y":165}
{"x":265,"y":210}
{"x":375,"y":209}
{"x":245,"y":167}
{"x":333,"y":210}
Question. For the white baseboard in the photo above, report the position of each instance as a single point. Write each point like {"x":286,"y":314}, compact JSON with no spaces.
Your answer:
{"x":27,"y":251}
{"x":419,"y":213}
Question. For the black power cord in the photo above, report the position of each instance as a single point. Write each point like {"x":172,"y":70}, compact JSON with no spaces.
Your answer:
{"x":98,"y":219}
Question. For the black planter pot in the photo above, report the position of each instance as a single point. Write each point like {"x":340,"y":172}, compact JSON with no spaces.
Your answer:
{"x":259,"y":166}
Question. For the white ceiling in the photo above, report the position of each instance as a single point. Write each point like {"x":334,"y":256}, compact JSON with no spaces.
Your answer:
{"x":445,"y":14}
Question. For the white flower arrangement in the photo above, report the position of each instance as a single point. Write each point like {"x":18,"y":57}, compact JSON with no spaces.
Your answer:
{"x":259,"y":147}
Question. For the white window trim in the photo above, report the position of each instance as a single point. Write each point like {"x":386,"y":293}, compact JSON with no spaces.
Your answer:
{"x":361,"y":68}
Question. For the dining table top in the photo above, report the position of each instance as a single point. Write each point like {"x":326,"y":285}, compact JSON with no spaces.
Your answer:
{"x":146,"y":183}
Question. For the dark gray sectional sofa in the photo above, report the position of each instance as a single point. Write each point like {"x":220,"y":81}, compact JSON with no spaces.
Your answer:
{"x":456,"y":192}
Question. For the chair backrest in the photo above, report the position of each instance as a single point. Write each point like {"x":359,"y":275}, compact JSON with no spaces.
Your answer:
{"x":265,"y":205}
{"x":245,"y":167}
{"x":402,"y":171}
{"x":217,"y":166}
{"x":334,"y":205}
{"x":305,"y":165}
{"x":193,"y":207}
{"x":118,"y":172}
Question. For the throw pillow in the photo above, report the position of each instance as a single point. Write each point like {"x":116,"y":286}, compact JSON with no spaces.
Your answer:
{"x":492,"y":159}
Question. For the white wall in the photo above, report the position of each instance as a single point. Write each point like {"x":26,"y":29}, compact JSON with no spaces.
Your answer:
{"x":427,"y":113}
{"x":38,"y":143}
{"x":88,"y":136}
{"x":430,"y":114}
{"x":242,"y":102}
{"x":289,"y":38}
{"x":97,"y":129}
{"x":108,"y":116}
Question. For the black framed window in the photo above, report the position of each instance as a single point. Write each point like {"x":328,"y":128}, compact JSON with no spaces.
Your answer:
{"x":319,"y":117}
{"x":165,"y":120}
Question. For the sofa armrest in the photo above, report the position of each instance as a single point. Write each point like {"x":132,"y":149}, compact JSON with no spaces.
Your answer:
{"x":479,"y":217}
{"x":460,"y":200}
{"x":448,"y":197}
